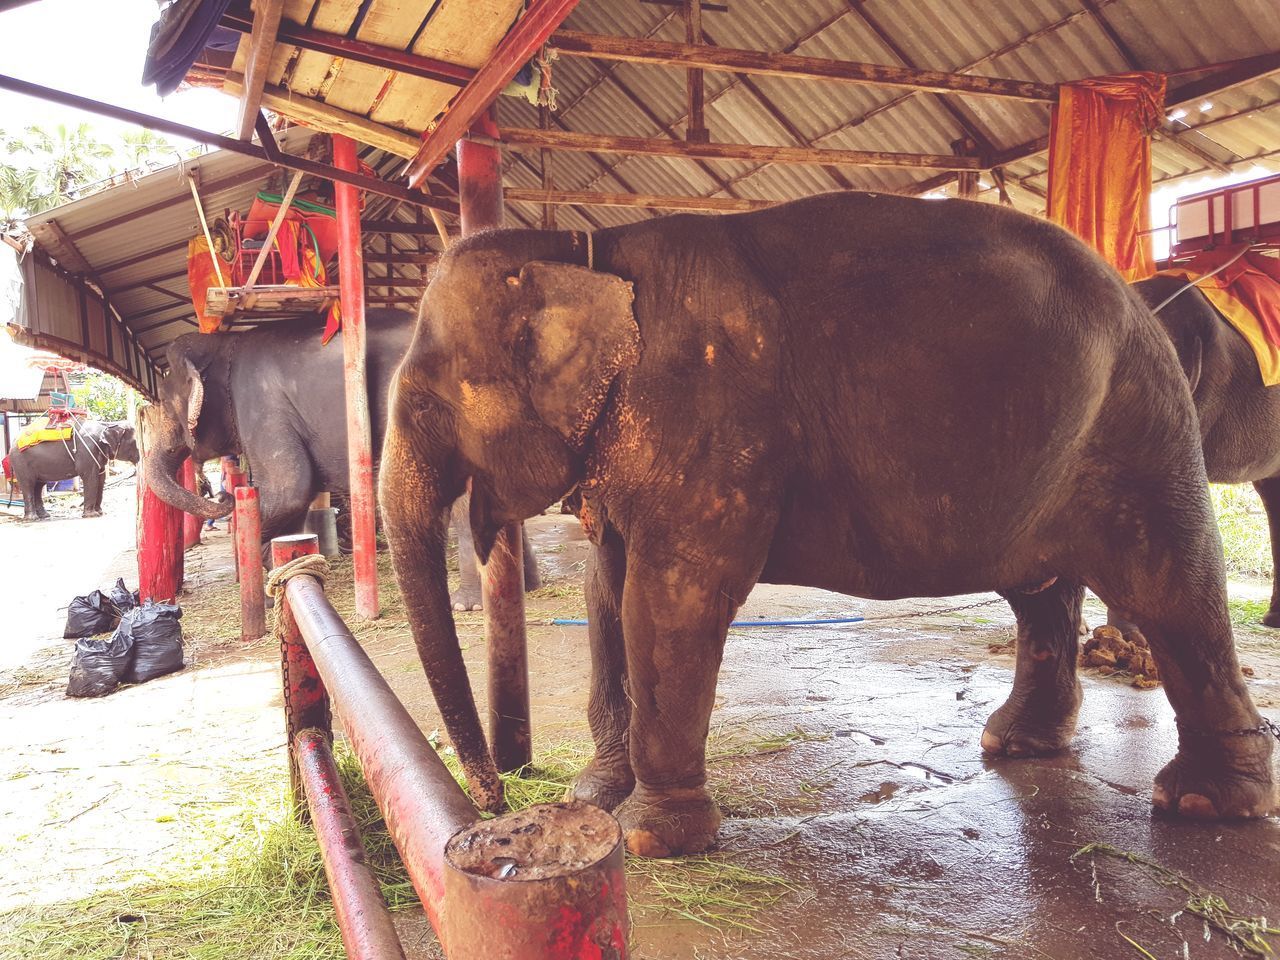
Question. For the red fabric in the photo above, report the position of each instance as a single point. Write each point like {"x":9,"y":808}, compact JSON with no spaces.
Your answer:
{"x":261,"y":213}
{"x":1254,"y":280}
{"x":1100,"y":165}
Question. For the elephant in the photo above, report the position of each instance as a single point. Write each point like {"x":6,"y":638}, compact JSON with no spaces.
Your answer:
{"x":94,"y":444}
{"x":276,"y":396}
{"x":872,"y":394}
{"x":1239,"y":416}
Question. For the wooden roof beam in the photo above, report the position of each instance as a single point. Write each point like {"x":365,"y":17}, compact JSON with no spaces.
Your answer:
{"x":727,"y":59}
{"x":262,"y":41}
{"x":529,"y":33}
{"x":587,"y":142}
{"x":593,"y":198}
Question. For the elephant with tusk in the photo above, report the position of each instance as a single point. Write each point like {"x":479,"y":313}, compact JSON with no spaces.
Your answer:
{"x":276,"y":396}
{"x":878,"y":395}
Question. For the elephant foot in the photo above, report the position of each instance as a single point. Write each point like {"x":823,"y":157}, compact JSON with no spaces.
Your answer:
{"x":466,"y":598}
{"x":668,"y":824}
{"x":1272,"y":618}
{"x":532,"y":578}
{"x":600,"y":787}
{"x":1218,"y":778}
{"x":92,"y":513}
{"x":1020,"y":729}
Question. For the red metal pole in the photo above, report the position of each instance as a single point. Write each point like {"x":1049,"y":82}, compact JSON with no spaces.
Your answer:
{"x":502,"y":580}
{"x":512,"y":894}
{"x":159,"y":534}
{"x":359,"y":433}
{"x":306,"y":702}
{"x":253,"y":614}
{"x":190,"y":522}
{"x":419,"y":799}
{"x":234,"y":479}
{"x":363,"y":918}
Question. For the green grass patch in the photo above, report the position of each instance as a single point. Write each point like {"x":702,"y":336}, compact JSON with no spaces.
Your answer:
{"x":1242,"y":523}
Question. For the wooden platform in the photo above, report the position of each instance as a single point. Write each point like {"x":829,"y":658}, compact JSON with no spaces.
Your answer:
{"x":273,"y":300}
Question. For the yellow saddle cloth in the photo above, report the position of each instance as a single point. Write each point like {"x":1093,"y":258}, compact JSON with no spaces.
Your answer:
{"x":39,"y":431}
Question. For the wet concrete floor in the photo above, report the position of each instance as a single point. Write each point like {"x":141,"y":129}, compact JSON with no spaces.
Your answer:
{"x":846,"y":761}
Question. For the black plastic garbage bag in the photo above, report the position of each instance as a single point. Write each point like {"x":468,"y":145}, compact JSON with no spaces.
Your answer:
{"x":156,"y":635}
{"x":124,"y":598}
{"x":99,"y":665}
{"x":91,"y":614}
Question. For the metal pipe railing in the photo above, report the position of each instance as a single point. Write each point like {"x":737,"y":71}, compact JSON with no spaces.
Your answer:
{"x":545,"y":883}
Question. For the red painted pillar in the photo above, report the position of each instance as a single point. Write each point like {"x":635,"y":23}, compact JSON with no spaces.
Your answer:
{"x":502,"y":580}
{"x":190,"y":522}
{"x":253,"y":613}
{"x":306,"y":702}
{"x":359,"y":433}
{"x":234,"y":478}
{"x":159,"y":534}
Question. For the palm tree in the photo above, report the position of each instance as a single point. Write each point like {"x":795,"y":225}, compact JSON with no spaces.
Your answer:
{"x":143,"y":149}
{"x":21,"y":195}
{"x":68,"y":158}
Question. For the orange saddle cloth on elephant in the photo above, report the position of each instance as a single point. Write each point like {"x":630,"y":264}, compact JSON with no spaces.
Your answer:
{"x":39,"y":431}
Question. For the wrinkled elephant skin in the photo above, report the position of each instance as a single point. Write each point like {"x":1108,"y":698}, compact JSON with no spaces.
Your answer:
{"x":876,"y":395}
{"x":94,"y":444}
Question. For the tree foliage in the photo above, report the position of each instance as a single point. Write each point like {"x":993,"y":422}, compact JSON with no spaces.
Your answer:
{"x":105,"y":397}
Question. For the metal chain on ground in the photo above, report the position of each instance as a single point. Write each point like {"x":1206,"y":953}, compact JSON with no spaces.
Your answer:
{"x":931,"y":612}
{"x":310,"y":565}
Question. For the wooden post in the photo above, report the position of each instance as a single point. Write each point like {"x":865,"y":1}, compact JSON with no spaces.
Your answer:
{"x":191,"y":524}
{"x":235,"y":478}
{"x":159,"y":532}
{"x":502,"y":579}
{"x":966,"y":180}
{"x":359,"y":432}
{"x":696,"y":129}
{"x":253,"y":614}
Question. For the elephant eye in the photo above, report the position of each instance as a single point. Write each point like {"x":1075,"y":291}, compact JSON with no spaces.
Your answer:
{"x":513,"y":281}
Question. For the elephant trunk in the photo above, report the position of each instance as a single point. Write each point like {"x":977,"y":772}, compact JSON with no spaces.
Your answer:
{"x":416,"y":533}
{"x":160,"y":472}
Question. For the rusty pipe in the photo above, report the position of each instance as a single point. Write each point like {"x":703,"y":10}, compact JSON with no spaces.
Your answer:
{"x":363,"y":918}
{"x":419,"y":799}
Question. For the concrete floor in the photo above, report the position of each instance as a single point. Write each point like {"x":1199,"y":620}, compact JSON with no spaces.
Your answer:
{"x":871,"y":800}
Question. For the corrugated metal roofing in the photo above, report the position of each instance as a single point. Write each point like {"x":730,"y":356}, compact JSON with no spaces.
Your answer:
{"x":1043,"y":40}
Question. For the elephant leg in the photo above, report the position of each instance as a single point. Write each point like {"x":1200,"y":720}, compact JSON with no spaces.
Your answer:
{"x":1173,"y":586}
{"x":532,"y":577}
{"x":675,"y":615}
{"x":33,"y":499}
{"x":607,"y":780}
{"x":93,"y":482}
{"x":1269,"y":491}
{"x":467,"y":596}
{"x":1040,"y":715}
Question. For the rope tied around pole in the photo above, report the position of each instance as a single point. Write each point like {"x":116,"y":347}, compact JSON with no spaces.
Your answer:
{"x":310,"y":565}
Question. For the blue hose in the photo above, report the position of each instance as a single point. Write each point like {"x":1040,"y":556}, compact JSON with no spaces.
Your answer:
{"x":746,"y":623}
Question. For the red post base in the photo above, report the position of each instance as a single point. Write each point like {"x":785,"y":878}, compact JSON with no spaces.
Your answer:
{"x":306,"y":702}
{"x":253,"y":613}
{"x":159,"y":537}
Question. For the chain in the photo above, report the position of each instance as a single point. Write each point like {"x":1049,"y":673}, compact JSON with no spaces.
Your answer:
{"x":934,"y":612}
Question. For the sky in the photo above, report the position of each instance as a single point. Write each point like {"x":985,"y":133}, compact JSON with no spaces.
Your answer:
{"x":94,"y":48}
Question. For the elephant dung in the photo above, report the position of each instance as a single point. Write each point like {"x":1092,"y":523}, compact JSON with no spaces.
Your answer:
{"x":1111,"y":651}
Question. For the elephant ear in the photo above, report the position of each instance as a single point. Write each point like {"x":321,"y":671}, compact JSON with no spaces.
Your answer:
{"x":582,"y":334}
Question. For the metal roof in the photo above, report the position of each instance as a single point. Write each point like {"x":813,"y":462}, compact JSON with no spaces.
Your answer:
{"x":131,"y":238}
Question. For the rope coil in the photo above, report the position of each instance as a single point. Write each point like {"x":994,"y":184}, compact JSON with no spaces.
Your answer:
{"x":310,"y":565}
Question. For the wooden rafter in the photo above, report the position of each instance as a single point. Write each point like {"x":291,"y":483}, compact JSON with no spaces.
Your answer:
{"x":262,"y":40}
{"x":590,"y":198}
{"x":589,"y":142}
{"x":635,"y":50}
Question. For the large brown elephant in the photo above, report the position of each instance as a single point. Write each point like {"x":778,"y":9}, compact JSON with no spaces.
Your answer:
{"x":1239,"y":416}
{"x":872,"y":394}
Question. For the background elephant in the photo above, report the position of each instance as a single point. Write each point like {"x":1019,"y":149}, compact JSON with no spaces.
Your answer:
{"x":878,"y":395}
{"x":1239,"y":417}
{"x":95,"y":444}
{"x":276,"y":396}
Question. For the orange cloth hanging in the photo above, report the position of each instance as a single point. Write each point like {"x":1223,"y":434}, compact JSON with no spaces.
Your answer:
{"x":1100,"y":165}
{"x":201,"y":275}
{"x":1247,"y":294}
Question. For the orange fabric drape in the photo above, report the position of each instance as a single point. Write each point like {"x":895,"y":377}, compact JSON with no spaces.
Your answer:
{"x":1247,"y":294}
{"x":1100,"y":165}
{"x":200,"y":277}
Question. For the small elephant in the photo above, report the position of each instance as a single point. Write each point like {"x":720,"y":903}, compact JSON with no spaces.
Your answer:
{"x":877,"y":395}
{"x":94,"y":444}
{"x":1239,"y":416}
{"x":276,"y":396}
